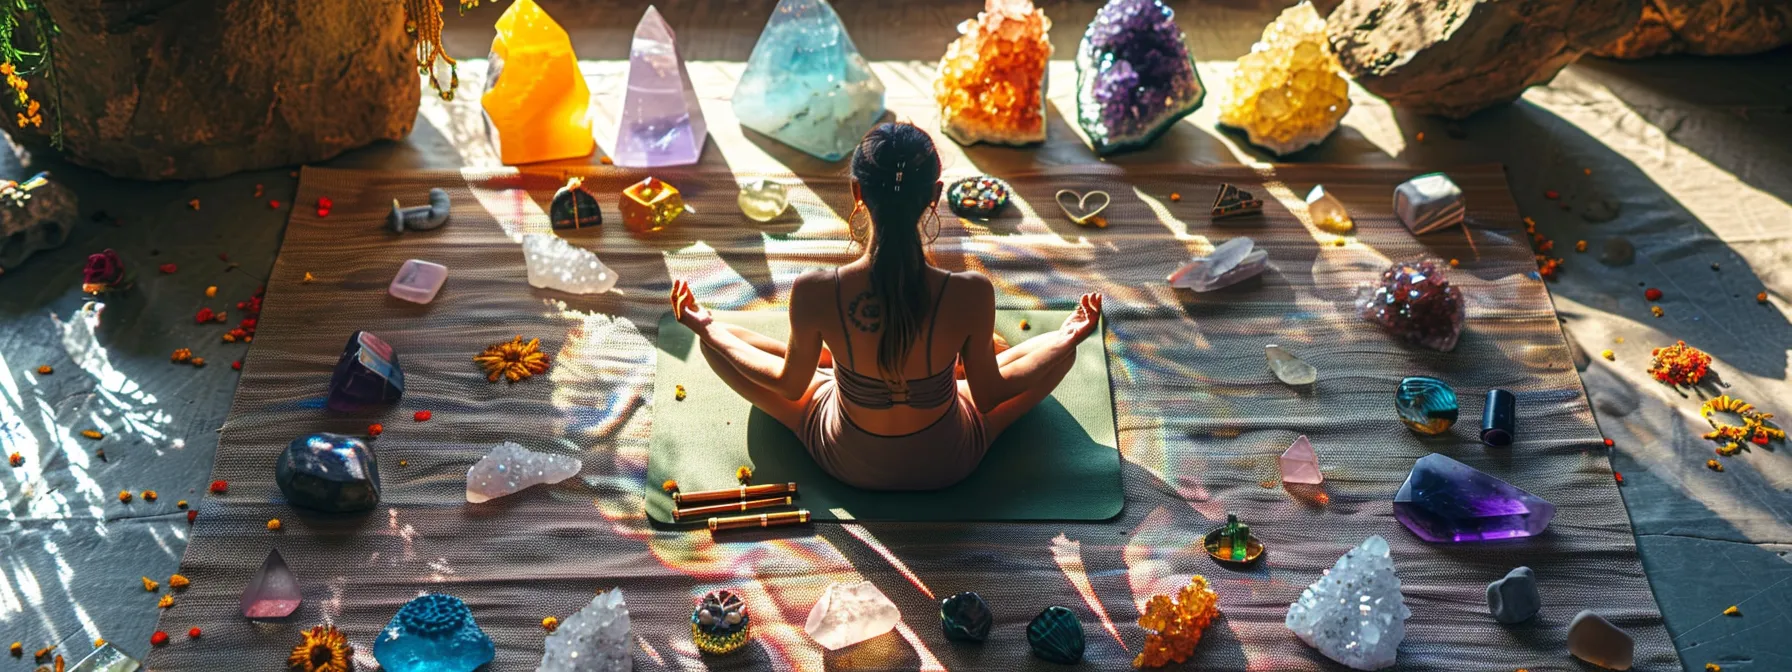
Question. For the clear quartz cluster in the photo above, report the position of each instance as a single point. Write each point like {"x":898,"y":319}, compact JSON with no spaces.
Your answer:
{"x":554,"y":263}
{"x":511,"y":468}
{"x":1354,"y":614}
{"x":594,"y":640}
{"x":991,"y":86}
{"x":1288,"y":93}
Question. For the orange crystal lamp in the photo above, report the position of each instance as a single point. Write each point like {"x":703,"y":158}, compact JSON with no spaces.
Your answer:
{"x":649,"y":205}
{"x":537,"y":107}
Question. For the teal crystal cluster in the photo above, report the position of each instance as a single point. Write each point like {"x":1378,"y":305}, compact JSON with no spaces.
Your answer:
{"x":1056,"y":636}
{"x":433,"y":633}
{"x":1134,"y":75}
{"x":806,"y":84}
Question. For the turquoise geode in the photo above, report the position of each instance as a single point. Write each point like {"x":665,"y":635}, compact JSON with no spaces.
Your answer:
{"x":1056,"y":636}
{"x":1134,"y":75}
{"x":806,"y":84}
{"x":433,"y":633}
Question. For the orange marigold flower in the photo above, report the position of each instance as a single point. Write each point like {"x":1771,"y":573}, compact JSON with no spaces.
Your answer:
{"x":744,"y":474}
{"x":1177,"y":622}
{"x":513,"y":361}
{"x":670,"y":486}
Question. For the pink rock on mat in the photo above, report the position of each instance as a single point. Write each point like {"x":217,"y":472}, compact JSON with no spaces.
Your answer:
{"x":1300,"y":464}
{"x":418,"y":281}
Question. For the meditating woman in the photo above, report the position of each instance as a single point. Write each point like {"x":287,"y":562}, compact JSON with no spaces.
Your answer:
{"x":868,"y":379}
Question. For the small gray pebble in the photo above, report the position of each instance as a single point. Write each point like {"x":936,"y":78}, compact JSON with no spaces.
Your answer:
{"x":1514,"y":599}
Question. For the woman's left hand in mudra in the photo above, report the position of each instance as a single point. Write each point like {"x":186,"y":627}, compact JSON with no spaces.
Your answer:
{"x":690,"y":313}
{"x":1080,"y":324}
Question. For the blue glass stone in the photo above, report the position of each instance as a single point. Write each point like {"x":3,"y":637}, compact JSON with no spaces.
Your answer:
{"x":806,"y":84}
{"x":329,"y":472}
{"x":1134,"y":75}
{"x":366,"y":375}
{"x":966,"y":617}
{"x":432,"y":633}
{"x":1427,"y":405}
{"x":1056,"y":636}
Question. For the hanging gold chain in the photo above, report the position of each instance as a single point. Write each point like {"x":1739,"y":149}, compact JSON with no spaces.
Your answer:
{"x":423,"y":22}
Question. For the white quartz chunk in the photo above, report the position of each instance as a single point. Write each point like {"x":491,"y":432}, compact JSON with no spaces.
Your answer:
{"x":594,"y":640}
{"x":1354,"y":614}
{"x":849,"y":613}
{"x":511,"y":468}
{"x":555,"y":264}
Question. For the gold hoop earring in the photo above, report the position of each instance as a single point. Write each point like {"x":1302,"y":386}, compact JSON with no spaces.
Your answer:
{"x":854,"y":232}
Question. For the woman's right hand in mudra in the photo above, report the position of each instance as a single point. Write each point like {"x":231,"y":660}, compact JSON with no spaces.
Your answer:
{"x":1084,"y":321}
{"x":684,"y":305}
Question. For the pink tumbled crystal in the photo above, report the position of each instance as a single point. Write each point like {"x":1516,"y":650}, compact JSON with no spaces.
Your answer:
{"x":1414,"y":301}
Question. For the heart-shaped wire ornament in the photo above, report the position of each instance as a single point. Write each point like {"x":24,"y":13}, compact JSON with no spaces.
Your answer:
{"x":1089,"y":217}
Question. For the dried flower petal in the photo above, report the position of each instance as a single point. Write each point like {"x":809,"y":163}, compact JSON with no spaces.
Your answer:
{"x":422,"y":416}
{"x":550,"y":624}
{"x":744,"y":474}
{"x":150,"y":585}
{"x":93,"y":434}
{"x":513,"y":361}
{"x":178,"y":582}
{"x":45,"y":370}
{"x":273,"y":524}
{"x":669,"y":486}
{"x":220,"y":487}
{"x":166,"y":601}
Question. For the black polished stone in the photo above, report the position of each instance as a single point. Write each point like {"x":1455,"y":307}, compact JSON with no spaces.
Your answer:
{"x":966,"y":617}
{"x":329,"y":472}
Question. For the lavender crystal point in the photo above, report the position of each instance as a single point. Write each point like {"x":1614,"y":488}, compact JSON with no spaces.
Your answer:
{"x":274,"y":590}
{"x":1135,"y":76}
{"x":1230,"y":263}
{"x":661,"y":122}
{"x":1446,"y":500}
{"x":367,"y":374}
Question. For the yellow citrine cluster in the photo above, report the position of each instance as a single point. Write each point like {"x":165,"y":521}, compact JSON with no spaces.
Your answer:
{"x":1288,"y":93}
{"x":1178,"y":623}
{"x":991,"y":86}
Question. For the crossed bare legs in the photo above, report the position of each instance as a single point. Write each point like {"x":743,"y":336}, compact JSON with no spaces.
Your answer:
{"x":1037,"y":369}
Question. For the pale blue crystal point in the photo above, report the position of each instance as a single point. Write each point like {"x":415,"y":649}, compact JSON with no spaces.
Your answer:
{"x":432,"y":633}
{"x":806,"y":84}
{"x":662,"y":124}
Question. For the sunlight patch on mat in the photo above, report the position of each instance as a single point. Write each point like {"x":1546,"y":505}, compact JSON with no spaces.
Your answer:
{"x":1069,"y":556}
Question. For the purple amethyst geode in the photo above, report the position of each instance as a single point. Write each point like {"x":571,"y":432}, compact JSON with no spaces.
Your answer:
{"x":1134,"y":75}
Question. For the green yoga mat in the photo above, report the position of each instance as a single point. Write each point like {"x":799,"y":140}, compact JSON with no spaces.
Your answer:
{"x":1059,"y":462}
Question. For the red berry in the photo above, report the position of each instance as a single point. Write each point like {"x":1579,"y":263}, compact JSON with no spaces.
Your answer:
{"x":1759,"y":439}
{"x":1652,"y":294}
{"x":169,"y":268}
{"x":236,"y":365}
{"x":325,"y":203}
{"x":375,"y":429}
{"x":223,"y":256}
{"x":323,"y":212}
{"x":204,"y":315}
{"x":1608,"y":443}
{"x":158,"y":639}
{"x":220,"y":487}
{"x":1551,"y":195}
{"x":194,"y":632}
{"x":273,"y":205}
{"x":1619,"y":477}
{"x":192,"y":515}
{"x":421,"y":416}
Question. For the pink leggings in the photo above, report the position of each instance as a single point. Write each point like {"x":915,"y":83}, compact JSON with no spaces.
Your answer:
{"x":930,"y":458}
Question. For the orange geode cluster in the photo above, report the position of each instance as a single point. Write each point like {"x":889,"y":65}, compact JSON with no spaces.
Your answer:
{"x":991,"y":86}
{"x":1178,"y":623}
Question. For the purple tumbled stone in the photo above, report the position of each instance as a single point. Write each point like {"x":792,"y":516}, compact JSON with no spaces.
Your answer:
{"x":1134,"y":75}
{"x":366,"y":375}
{"x":1416,"y":302}
{"x":1446,"y":500}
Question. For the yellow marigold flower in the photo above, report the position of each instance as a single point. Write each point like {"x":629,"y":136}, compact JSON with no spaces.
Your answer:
{"x":7,"y":69}
{"x":744,"y":474}
{"x":324,"y":649}
{"x":166,"y":602}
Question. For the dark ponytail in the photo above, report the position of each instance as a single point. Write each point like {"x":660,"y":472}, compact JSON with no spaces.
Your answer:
{"x":896,"y":167}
